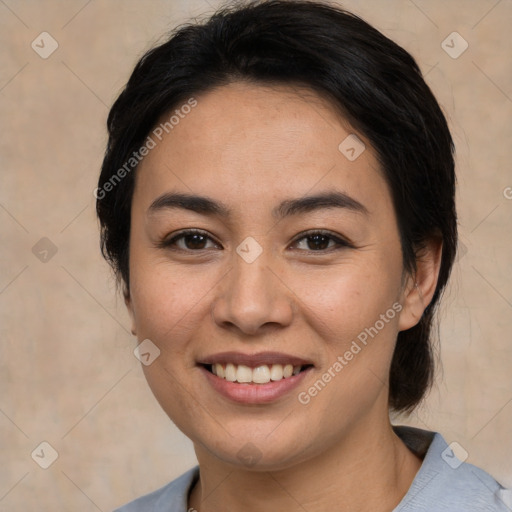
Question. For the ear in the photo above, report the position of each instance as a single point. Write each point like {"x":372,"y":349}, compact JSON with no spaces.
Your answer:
{"x":129,"y":307}
{"x":419,"y":288}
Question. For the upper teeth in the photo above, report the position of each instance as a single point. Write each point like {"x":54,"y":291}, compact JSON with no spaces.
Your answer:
{"x":259,"y":375}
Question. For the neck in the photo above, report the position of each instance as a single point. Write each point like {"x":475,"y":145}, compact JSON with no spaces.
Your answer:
{"x":369,"y":469}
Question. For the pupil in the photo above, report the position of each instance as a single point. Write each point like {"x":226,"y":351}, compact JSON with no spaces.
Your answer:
{"x":196,"y":241}
{"x":318,"y":244}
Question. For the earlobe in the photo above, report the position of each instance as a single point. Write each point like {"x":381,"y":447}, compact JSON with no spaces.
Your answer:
{"x":129,"y":307}
{"x":420,"y":287}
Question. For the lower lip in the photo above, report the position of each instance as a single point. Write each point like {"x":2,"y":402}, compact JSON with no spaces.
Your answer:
{"x":254,"y":393}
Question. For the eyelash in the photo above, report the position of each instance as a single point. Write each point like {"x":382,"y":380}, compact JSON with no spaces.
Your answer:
{"x":340,"y":243}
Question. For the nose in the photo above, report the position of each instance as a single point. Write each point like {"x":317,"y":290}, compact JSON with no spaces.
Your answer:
{"x":252,"y":298}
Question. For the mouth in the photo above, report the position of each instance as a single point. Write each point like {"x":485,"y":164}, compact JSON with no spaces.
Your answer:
{"x":254,"y":379}
{"x":262,"y":374}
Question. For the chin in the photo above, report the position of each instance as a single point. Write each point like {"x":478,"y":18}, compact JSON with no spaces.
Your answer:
{"x":255,"y":453}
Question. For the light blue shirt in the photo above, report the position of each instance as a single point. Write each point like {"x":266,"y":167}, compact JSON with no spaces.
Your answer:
{"x":442,"y":484}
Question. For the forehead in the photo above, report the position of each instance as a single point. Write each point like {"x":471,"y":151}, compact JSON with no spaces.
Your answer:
{"x":256,"y":142}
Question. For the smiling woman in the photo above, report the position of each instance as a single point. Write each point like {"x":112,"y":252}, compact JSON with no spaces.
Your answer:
{"x":283,"y":249}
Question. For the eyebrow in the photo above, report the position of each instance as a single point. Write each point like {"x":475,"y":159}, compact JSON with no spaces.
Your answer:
{"x":207,"y":206}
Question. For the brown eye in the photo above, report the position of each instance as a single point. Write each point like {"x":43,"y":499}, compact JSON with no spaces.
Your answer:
{"x":319,"y":241}
{"x":190,"y":240}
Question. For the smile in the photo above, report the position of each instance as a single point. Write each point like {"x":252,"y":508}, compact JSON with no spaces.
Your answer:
{"x":262,"y":374}
{"x":259,"y":378}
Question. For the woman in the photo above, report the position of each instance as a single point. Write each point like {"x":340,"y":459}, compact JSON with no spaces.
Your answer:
{"x":277,"y":199}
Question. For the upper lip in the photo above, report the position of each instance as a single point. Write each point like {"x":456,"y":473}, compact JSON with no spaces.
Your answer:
{"x":254,"y":360}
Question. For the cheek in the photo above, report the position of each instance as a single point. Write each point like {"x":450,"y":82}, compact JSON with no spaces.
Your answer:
{"x":164,"y":300}
{"x":355,"y":317}
{"x":355,"y":311}
{"x":172,"y":304}
{"x":348,"y":298}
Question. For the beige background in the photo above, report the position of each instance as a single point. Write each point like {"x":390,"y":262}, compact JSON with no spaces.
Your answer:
{"x":68,"y":374}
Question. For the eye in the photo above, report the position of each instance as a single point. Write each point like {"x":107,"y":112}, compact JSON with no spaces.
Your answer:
{"x":193,"y":240}
{"x":319,"y":241}
{"x":197,"y":240}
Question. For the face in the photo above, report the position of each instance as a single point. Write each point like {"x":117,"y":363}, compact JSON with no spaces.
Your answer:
{"x":271,"y":282}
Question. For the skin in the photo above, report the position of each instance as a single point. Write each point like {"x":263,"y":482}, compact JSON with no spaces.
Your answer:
{"x":252,"y":146}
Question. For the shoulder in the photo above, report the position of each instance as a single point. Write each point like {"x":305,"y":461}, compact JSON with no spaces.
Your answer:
{"x":170,"y":498}
{"x":446,"y":482}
